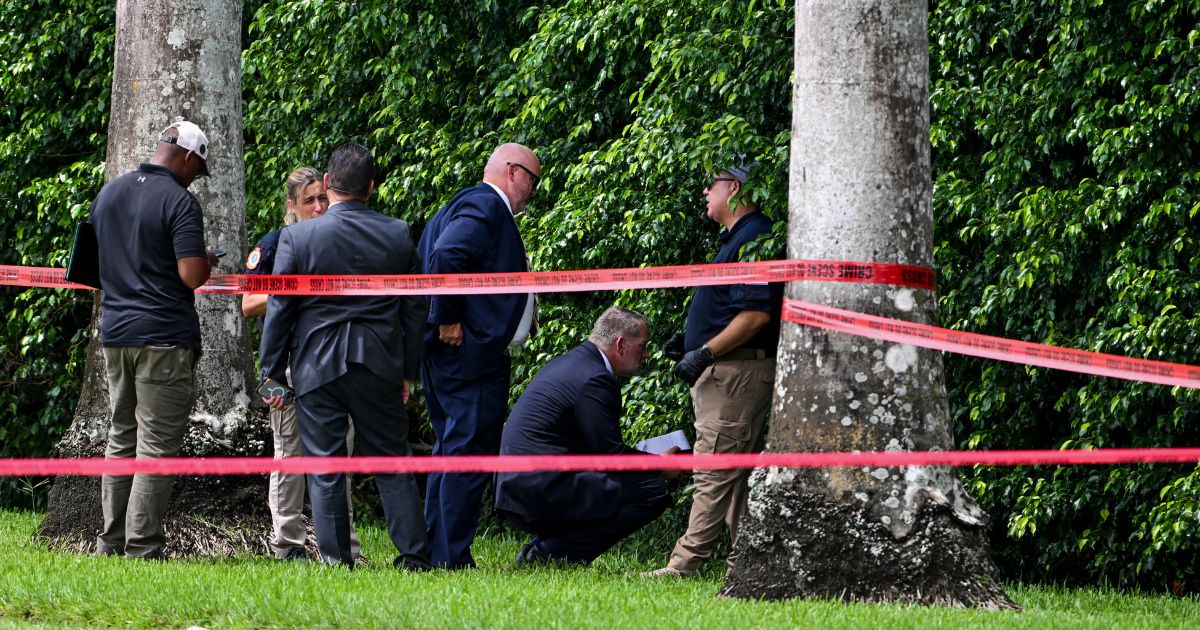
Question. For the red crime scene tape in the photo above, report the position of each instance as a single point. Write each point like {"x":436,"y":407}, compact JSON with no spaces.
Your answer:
{"x":531,"y":281}
{"x":531,"y":463}
{"x":648,"y":278}
{"x":988,"y":347}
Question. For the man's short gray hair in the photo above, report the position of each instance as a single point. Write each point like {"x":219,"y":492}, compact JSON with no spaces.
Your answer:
{"x":618,"y":322}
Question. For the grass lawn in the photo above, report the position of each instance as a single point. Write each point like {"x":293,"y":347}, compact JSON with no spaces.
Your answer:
{"x":51,"y":589}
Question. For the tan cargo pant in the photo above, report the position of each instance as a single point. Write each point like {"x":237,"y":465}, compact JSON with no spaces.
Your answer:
{"x":732,"y":400}
{"x":151,"y":392}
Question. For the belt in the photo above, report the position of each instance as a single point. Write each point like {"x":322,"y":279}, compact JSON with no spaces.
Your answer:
{"x":746,"y":354}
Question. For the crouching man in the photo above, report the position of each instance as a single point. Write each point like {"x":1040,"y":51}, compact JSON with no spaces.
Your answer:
{"x":573,"y":407}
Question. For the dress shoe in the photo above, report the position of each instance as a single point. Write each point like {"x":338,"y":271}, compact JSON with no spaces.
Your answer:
{"x":402,"y":563}
{"x":528,"y":554}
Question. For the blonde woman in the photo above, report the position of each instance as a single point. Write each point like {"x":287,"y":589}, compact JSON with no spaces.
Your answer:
{"x":306,"y":199}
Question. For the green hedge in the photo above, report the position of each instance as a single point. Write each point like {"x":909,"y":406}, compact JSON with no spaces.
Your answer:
{"x":1066,"y":164}
{"x":627,"y":105}
{"x":1065,"y":188}
{"x":53,"y":130}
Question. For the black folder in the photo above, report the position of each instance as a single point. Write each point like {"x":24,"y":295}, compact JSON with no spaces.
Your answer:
{"x":84,"y":265}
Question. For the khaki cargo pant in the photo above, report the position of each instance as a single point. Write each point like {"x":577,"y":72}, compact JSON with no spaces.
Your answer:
{"x":732,"y":400}
{"x":151,"y":391}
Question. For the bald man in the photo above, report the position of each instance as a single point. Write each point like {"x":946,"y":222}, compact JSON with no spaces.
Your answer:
{"x":466,"y":370}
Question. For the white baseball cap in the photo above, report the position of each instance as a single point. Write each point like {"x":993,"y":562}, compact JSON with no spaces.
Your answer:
{"x":190,"y":138}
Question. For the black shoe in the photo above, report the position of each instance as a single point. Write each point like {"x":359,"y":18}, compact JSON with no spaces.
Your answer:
{"x":294,"y":554}
{"x":528,"y":554}
{"x":523,"y":553}
{"x":404,"y":564}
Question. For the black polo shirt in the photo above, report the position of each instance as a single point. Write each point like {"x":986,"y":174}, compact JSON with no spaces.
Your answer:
{"x":713,"y":307}
{"x":145,"y":221}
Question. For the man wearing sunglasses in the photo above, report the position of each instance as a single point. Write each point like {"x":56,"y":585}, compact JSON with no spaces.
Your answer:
{"x":727,"y":358}
{"x":466,"y":371}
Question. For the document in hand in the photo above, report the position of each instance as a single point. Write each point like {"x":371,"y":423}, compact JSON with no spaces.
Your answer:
{"x":84,"y":265}
{"x":658,"y":445}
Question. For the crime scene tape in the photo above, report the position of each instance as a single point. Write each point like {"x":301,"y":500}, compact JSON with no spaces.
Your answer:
{"x":646,"y":278}
{"x":533,"y":463}
{"x":530,"y":281}
{"x":976,"y":345}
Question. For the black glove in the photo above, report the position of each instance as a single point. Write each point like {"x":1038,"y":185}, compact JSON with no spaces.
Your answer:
{"x":692,"y":365}
{"x":673,"y":349}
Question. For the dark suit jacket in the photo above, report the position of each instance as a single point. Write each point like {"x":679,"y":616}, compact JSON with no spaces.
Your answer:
{"x":475,"y":233}
{"x":321,"y":334}
{"x":572,"y":407}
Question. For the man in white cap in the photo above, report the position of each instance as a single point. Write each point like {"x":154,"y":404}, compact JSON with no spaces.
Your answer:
{"x":150,"y":233}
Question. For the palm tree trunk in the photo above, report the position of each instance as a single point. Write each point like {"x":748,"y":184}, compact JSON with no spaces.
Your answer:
{"x":181,"y":59}
{"x":861,"y":190}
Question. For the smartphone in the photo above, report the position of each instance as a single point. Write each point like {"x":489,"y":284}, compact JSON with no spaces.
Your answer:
{"x":219,"y":253}
{"x":271,"y":387}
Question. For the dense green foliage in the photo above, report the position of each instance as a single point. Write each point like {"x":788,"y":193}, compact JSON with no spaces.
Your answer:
{"x":45,"y":588}
{"x":627,"y":105}
{"x":1065,"y":164}
{"x":54,"y":96}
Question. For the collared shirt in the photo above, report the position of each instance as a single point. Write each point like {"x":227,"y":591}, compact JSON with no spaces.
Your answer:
{"x":713,"y":307}
{"x":334,"y":207}
{"x":145,"y":221}
{"x":523,"y":328}
{"x":503,"y":196}
{"x":607,"y":363}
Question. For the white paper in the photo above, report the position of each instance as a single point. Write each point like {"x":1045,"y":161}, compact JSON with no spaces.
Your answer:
{"x":660,"y":444}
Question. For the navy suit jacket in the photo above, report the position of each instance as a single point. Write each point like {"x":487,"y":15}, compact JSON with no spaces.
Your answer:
{"x":321,"y":334}
{"x":475,"y":233}
{"x":572,"y":407}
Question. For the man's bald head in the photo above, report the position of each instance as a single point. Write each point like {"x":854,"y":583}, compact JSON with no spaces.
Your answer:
{"x":511,"y":153}
{"x":514,"y":169}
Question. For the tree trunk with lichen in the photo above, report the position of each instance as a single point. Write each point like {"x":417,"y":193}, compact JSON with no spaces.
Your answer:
{"x":861,"y":190}
{"x":173,"y":59}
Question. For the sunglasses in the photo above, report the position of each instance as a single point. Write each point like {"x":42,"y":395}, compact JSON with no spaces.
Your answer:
{"x":720,"y":179}
{"x":533,"y":177}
